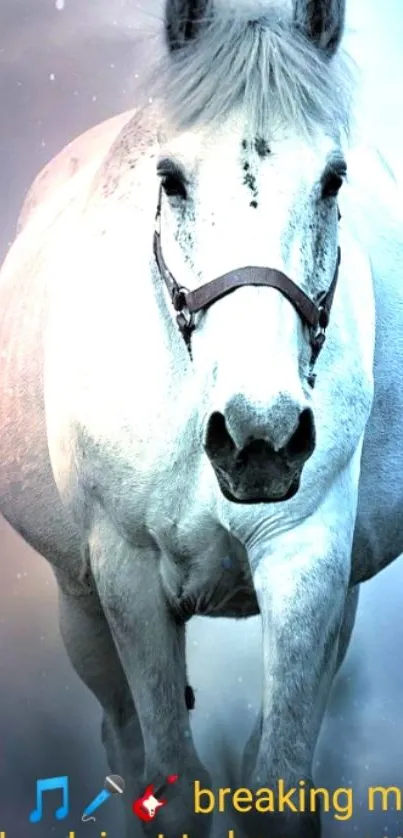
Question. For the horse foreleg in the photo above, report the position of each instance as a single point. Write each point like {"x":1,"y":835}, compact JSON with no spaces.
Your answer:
{"x":301,"y":580}
{"x":92,"y":652}
{"x":350,"y":610}
{"x":151,"y":645}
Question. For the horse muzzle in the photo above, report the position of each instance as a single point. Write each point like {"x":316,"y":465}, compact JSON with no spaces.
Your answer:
{"x":258,"y":473}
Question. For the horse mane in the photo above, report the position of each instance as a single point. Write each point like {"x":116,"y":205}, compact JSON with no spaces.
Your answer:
{"x":259,"y":62}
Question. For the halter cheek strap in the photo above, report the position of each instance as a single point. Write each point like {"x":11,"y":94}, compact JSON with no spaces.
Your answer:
{"x":187,"y":303}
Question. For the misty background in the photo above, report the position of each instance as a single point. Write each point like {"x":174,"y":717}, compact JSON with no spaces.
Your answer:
{"x":65,"y":66}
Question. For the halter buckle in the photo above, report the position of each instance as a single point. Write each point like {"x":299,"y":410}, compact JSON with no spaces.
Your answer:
{"x":323,"y":319}
{"x":185,"y":318}
{"x":186,"y":326}
{"x":179,"y":298}
{"x":317,"y":341}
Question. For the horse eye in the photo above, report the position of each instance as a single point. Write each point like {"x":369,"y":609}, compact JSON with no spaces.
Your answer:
{"x":331,"y":185}
{"x":173,"y":186}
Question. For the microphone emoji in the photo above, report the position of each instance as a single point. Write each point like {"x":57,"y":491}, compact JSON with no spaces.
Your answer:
{"x":113,"y":785}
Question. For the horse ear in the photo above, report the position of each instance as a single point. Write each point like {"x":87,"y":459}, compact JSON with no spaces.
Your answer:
{"x":322,"y":21}
{"x":183,"y":20}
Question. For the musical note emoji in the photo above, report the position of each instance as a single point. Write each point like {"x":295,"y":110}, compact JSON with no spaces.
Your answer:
{"x":52,"y":784}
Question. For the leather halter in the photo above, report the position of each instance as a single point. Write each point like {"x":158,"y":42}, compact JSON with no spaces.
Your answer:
{"x":315,"y":315}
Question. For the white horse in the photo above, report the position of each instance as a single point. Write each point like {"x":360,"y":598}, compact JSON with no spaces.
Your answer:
{"x":164,"y":444}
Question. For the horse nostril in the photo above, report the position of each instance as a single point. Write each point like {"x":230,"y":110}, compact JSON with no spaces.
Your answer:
{"x":302,"y":442}
{"x":218,"y":440}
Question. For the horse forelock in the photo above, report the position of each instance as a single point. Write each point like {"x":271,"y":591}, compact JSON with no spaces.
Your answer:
{"x":261,"y":63}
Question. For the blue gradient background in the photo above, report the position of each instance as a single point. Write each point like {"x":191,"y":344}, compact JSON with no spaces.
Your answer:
{"x":60,"y":73}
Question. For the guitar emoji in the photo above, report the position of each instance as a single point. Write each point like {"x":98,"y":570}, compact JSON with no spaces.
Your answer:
{"x":146,"y":806}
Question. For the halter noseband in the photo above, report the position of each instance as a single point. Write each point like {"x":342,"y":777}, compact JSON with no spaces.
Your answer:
{"x":187,"y":303}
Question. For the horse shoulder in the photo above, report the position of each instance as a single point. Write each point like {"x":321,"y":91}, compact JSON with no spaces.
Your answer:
{"x":378,"y":209}
{"x":29,"y":498}
{"x":87,"y":150}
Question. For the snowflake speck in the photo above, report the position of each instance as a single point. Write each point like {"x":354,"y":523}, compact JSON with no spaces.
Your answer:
{"x":60,"y":5}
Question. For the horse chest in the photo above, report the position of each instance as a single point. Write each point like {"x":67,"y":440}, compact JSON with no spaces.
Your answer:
{"x":207,"y":576}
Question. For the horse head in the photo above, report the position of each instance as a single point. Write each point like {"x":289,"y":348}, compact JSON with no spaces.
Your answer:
{"x":247,"y":237}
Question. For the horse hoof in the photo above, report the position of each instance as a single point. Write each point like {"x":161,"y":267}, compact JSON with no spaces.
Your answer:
{"x":189,"y":697}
